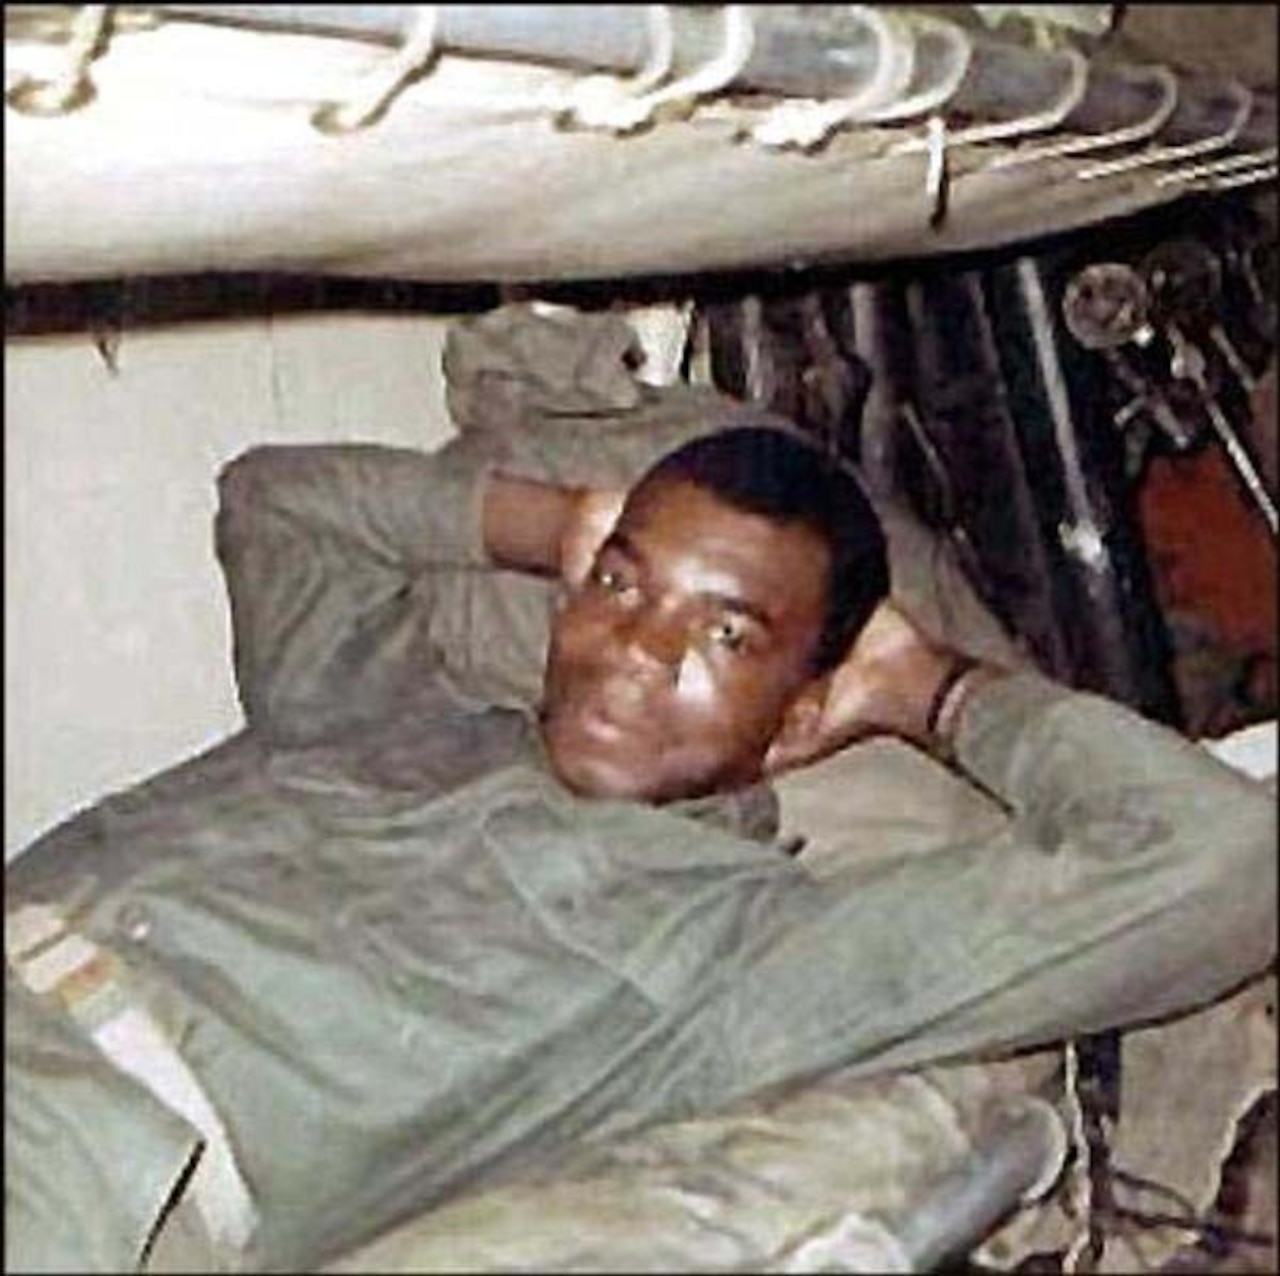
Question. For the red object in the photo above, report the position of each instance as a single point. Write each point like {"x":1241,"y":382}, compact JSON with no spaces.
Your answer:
{"x":1210,"y":550}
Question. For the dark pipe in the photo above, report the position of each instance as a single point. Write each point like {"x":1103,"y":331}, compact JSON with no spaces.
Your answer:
{"x":826,"y":53}
{"x":1073,"y":458}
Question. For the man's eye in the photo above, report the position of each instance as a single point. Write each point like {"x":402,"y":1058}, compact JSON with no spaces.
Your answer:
{"x":729,"y":633}
{"x":611,"y":580}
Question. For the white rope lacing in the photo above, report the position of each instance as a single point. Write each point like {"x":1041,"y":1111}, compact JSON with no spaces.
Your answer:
{"x":807,"y":123}
{"x":1267,"y":173}
{"x":933,"y":97}
{"x":371,"y":99}
{"x":938,"y":140}
{"x":625,"y":110}
{"x":589,"y":100}
{"x":72,"y":87}
{"x":1041,"y":121}
{"x":1190,"y":150}
{"x":1138,"y":131}
{"x":1243,"y":168}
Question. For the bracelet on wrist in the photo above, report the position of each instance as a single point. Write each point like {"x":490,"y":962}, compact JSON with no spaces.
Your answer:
{"x":937,"y":722}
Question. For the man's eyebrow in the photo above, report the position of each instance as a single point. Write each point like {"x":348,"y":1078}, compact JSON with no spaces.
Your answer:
{"x":741,"y":606}
{"x":621,"y":543}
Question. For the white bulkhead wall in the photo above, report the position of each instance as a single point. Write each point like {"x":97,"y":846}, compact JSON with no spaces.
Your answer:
{"x":117,"y":638}
{"x":116,"y":624}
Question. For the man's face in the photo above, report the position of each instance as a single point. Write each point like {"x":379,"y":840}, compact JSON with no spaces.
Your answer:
{"x":671,"y":667}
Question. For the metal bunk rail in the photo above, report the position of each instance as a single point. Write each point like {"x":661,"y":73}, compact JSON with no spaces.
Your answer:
{"x":830,"y":53}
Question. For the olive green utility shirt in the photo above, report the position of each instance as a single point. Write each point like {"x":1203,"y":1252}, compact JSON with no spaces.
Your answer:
{"x":397,"y":955}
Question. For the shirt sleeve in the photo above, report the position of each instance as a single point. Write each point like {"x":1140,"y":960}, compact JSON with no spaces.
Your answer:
{"x":328,"y":554}
{"x":1149,"y":847}
{"x":1136,"y":878}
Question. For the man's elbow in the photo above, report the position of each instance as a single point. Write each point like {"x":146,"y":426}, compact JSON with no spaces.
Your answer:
{"x":242,"y":481}
{"x":1237,"y":881}
{"x":254,"y":488}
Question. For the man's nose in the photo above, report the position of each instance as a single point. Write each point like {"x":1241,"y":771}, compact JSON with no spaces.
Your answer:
{"x":654,"y":641}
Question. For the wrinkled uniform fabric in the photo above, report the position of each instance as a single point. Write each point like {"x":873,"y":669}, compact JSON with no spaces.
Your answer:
{"x":555,"y":393}
{"x":398,"y":954}
{"x":1185,"y":1082}
{"x":93,"y":1158}
{"x":760,"y":1187}
{"x":400,"y":957}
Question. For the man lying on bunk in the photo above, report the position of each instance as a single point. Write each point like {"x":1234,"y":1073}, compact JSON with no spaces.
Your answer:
{"x":394,"y":934}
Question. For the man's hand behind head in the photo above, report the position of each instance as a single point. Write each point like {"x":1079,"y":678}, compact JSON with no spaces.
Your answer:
{"x":886,"y":685}
{"x":547,"y":529}
{"x":595,"y":512}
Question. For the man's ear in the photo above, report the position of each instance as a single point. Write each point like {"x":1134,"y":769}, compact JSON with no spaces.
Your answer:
{"x":801,"y":737}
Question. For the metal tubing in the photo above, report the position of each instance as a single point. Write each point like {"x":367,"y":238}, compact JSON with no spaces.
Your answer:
{"x":825,"y":53}
{"x":1018,"y":1154}
{"x":881,"y":338}
{"x":830,"y":57}
{"x":1244,"y":466}
{"x":958,"y":385}
{"x":1109,"y":616}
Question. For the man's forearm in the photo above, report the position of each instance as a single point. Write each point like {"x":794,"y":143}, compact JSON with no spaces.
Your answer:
{"x":328,"y":553}
{"x":526,"y":522}
{"x":1136,"y":878}
{"x":1118,"y":805}
{"x":545,"y":528}
{"x":398,"y":507}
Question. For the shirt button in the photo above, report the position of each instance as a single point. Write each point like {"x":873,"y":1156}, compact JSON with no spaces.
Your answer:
{"x":135,"y":922}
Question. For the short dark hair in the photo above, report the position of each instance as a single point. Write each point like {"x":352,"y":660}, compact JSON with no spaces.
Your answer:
{"x":784,"y":477}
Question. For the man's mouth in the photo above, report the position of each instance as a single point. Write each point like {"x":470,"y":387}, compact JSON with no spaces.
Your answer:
{"x":609,"y":715}
{"x":599,"y":726}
